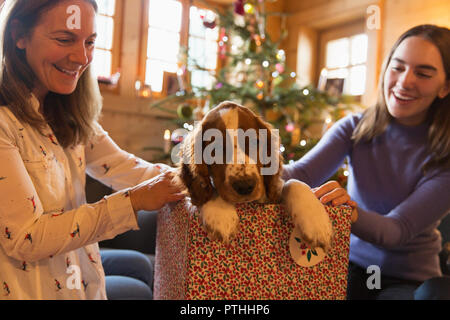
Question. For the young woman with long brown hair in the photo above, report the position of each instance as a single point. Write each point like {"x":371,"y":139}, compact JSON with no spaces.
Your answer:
{"x":399,"y":159}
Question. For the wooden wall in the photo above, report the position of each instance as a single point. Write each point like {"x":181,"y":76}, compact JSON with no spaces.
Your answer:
{"x":310,"y":19}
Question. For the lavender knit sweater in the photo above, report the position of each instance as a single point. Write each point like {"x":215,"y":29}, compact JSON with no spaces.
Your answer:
{"x":399,"y":207}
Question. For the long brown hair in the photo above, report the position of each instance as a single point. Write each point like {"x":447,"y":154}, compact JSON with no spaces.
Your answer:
{"x":72,"y":116}
{"x":375,"y":119}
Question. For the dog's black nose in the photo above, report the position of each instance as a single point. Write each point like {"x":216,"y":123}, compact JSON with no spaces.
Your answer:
{"x":244,"y":187}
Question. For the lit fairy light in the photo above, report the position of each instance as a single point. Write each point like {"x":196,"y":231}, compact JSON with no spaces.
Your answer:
{"x":265,"y":63}
{"x":167,"y":135}
{"x":248,"y":61}
{"x":290,"y":127}
{"x":282,"y":148}
{"x":328,"y":120}
{"x":248,"y":8}
{"x":303,"y":143}
{"x":259,"y":84}
{"x":346,"y":173}
{"x":281,"y":55}
{"x":293,"y":74}
{"x":305,"y":92}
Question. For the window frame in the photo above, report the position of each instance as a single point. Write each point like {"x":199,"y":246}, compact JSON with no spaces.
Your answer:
{"x":347,"y":30}
{"x":116,"y":47}
{"x":184,"y":35}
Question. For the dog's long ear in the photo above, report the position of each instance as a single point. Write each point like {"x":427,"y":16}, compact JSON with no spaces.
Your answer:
{"x":194,"y":176}
{"x":273,"y":183}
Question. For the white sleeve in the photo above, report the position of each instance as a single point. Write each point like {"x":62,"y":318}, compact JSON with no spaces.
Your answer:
{"x":115,"y":167}
{"x":27,"y":234}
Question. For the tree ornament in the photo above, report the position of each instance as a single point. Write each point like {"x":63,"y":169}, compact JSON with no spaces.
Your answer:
{"x":281,"y":55}
{"x":260,"y":95}
{"x":185,"y":111}
{"x":239,"y":7}
{"x":289,"y":127}
{"x":249,"y":8}
{"x":277,"y":81}
{"x":209,"y":24}
{"x":259,"y":84}
{"x":279,"y":67}
{"x":178,"y":135}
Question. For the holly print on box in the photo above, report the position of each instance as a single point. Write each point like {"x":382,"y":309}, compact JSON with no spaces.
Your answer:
{"x":301,"y":253}
{"x":260,"y":263}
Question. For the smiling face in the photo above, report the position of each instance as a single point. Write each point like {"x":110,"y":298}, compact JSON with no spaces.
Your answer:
{"x":57,"y":52}
{"x":413,"y":79}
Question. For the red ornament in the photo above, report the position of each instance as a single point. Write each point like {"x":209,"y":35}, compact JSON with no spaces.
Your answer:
{"x":239,"y":7}
{"x":209,"y":24}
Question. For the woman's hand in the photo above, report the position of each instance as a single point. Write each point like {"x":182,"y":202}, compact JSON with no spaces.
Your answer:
{"x":162,"y":167}
{"x":153,"y":194}
{"x":332,"y":192}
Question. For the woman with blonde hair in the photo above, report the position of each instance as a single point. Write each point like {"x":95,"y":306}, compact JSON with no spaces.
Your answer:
{"x":399,"y":163}
{"x":49,"y":139}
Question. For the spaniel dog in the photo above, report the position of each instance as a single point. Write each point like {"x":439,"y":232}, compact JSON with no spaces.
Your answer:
{"x":219,"y":167}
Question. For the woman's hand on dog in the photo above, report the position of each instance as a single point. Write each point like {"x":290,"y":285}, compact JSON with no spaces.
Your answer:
{"x":153,"y":194}
{"x":333,"y":193}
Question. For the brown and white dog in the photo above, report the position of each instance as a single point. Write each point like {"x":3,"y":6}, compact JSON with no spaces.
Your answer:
{"x":216,"y":185}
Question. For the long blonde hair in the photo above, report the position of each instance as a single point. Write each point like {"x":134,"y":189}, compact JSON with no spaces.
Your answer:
{"x":72,"y":116}
{"x":376,"y":119}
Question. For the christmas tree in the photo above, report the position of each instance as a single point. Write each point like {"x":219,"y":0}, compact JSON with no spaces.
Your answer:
{"x":253,"y":73}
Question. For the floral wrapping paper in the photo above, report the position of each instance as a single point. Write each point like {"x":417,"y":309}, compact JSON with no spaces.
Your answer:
{"x":256,"y":265}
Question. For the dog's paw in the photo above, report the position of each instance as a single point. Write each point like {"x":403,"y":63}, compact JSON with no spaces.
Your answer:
{"x":308,"y":215}
{"x":220,"y":220}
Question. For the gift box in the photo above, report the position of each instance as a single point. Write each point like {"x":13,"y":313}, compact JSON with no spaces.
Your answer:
{"x":266,"y":260}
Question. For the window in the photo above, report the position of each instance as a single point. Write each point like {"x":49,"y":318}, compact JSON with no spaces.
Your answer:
{"x":346,"y":58}
{"x":343,"y":55}
{"x":164,"y":37}
{"x":163,"y":42}
{"x":202,"y":48}
{"x":106,"y":55}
